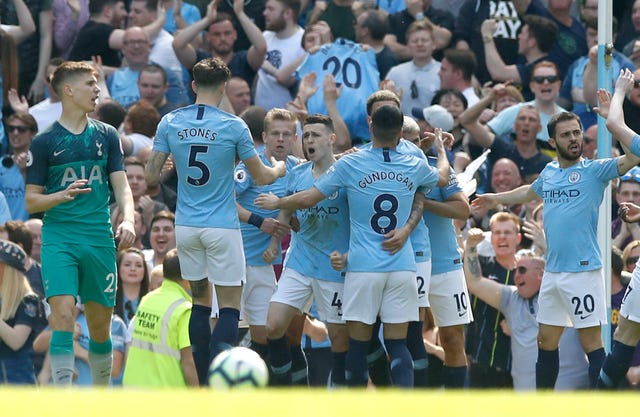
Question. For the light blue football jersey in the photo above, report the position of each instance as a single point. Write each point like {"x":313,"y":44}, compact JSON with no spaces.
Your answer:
{"x":253,"y":239}
{"x":420,"y":235}
{"x":380,"y":185}
{"x":205,"y":141}
{"x":355,"y":70}
{"x":445,"y":253}
{"x":324,"y":228}
{"x":571,"y":199}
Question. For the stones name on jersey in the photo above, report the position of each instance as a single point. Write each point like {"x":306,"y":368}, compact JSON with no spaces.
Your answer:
{"x":199,"y":132}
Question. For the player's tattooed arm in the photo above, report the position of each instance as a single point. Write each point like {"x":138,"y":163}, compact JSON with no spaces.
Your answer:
{"x":395,"y":239}
{"x":154,"y":168}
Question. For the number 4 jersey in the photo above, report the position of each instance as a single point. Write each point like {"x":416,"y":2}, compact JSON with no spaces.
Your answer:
{"x":355,"y":70}
{"x":204,"y":141}
{"x":380,"y":185}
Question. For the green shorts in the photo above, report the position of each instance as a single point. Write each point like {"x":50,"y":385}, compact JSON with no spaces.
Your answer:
{"x":84,"y":270}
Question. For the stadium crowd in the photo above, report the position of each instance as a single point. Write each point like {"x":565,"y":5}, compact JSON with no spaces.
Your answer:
{"x":317,"y":164}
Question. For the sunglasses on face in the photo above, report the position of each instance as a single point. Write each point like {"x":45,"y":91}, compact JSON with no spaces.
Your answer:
{"x":414,"y":90}
{"x":19,"y":129}
{"x":540,"y":79}
{"x":636,"y":84}
{"x":522,"y":270}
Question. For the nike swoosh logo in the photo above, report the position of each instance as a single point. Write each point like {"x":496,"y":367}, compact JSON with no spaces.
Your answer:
{"x":56,"y":153}
{"x":462,"y":314}
{"x":584,"y":317}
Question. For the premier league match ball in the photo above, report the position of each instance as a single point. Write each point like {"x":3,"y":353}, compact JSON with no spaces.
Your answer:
{"x":238,"y":367}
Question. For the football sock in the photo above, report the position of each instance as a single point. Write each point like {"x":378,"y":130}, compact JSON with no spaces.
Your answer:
{"x":299,"y":370}
{"x":338,"y":369}
{"x":356,"y":374}
{"x":200,"y":335}
{"x":616,"y":365}
{"x":418,"y":353}
{"x":261,"y":349}
{"x":454,"y":376}
{"x":435,"y":371}
{"x":401,"y":362}
{"x":547,"y":368}
{"x":100,"y":361}
{"x":225,"y":334}
{"x":377,"y":359}
{"x":596,"y":359}
{"x":61,"y":357}
{"x":279,"y":357}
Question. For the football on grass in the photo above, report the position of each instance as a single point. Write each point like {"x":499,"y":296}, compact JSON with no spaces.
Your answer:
{"x":238,"y":367}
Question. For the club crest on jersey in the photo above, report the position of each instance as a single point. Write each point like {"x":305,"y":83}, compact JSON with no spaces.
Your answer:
{"x":241,"y":176}
{"x":333,"y":196}
{"x":574,"y":177}
{"x":99,"y":146}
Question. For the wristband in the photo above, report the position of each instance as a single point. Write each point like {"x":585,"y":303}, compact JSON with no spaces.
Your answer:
{"x":256,"y":220}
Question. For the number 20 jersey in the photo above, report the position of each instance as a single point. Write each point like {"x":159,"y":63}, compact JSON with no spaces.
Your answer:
{"x":355,"y":70}
{"x":204,"y":141}
{"x":380,"y":185}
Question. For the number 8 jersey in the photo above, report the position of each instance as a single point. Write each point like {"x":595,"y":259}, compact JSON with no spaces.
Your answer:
{"x":380,"y":185}
{"x":204,"y":141}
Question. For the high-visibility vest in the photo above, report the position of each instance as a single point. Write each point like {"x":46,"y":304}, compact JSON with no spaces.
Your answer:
{"x":161,"y":330}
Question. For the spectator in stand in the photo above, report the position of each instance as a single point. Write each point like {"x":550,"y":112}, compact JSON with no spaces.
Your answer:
{"x":545,"y":84}
{"x":21,"y":128}
{"x":19,"y":315}
{"x":146,"y":205}
{"x":456,"y":69}
{"x":418,"y":10}
{"x":145,"y":12}
{"x":467,"y":33}
{"x":153,"y":86}
{"x":284,"y":45}
{"x":123,"y":82}
{"x":572,"y":42}
{"x":239,"y":94}
{"x":339,"y":16}
{"x":139,"y":127}
{"x":370,"y":28}
{"x":418,"y":79}
{"x":68,"y":18}
{"x":133,"y":283}
{"x":523,"y":150}
{"x":162,"y":236}
{"x":536,"y":38}
{"x":628,"y":191}
{"x":102,"y":36}
{"x":179,"y":15}
{"x":220,"y":39}
{"x":110,"y":112}
{"x":571,"y":92}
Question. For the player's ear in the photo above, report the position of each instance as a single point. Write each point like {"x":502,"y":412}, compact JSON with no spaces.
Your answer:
{"x":194,"y":87}
{"x":552,"y":142}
